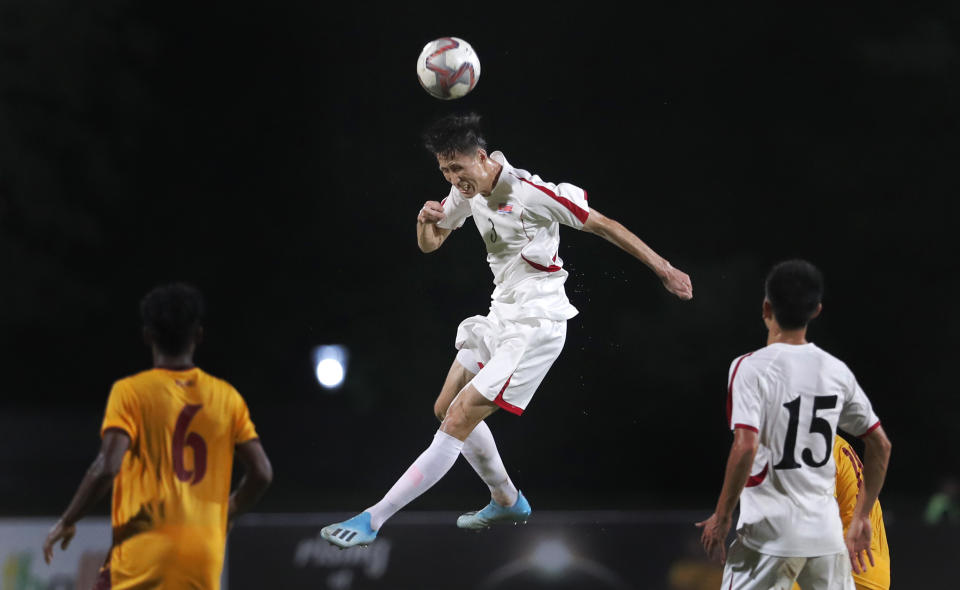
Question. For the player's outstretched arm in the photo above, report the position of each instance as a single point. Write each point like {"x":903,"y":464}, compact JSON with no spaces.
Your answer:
{"x":93,"y":486}
{"x":258,"y":473}
{"x":675,"y":281}
{"x":876,"y":457}
{"x":429,"y":236}
{"x":716,"y":527}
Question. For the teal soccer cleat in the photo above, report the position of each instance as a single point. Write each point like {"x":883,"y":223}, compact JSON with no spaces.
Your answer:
{"x":350,"y":533}
{"x":494,"y":513}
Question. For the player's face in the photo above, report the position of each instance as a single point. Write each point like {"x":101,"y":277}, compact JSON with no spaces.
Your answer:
{"x":466,"y":172}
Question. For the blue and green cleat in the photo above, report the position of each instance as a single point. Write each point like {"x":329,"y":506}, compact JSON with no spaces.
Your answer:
{"x":350,"y":533}
{"x":494,"y":513}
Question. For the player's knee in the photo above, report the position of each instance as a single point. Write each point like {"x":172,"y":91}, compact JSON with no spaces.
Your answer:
{"x":451,"y":416}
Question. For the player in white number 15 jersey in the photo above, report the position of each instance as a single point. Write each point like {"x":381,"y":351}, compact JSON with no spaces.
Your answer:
{"x":504,"y":355}
{"x":784,"y":405}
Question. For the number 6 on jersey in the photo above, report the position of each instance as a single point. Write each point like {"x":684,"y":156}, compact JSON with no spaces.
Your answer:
{"x":192,"y":440}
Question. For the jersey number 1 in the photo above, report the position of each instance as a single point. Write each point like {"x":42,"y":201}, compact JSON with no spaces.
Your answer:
{"x":192,"y":440}
{"x":817,"y":426}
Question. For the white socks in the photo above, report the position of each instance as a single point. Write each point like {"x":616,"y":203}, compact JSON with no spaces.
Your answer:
{"x":480,"y":451}
{"x":427,"y":470}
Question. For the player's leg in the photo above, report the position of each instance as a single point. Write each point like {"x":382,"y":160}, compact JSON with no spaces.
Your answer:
{"x":457,"y":378}
{"x":747,"y":569}
{"x":466,"y":411}
{"x":480,"y":450}
{"x":825,"y":572}
{"x":523,"y":355}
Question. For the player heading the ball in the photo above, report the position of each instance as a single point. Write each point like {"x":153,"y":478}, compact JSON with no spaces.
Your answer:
{"x":502,"y":356}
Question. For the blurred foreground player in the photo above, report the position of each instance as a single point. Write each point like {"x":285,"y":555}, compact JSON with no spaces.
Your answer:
{"x":789,"y":398}
{"x":504,"y":355}
{"x":171,"y":492}
{"x":849,"y":488}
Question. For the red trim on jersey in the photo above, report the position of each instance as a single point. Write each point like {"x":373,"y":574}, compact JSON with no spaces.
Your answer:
{"x":730,"y":387}
{"x":747,"y":427}
{"x":871,"y":429}
{"x":755,"y":480}
{"x":577,"y":211}
{"x":507,"y":405}
{"x":857,"y":466}
{"x":551,"y":268}
{"x":481,"y":364}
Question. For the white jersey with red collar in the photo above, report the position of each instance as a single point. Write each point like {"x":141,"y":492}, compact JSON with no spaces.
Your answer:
{"x":520,"y":225}
{"x":794,"y":397}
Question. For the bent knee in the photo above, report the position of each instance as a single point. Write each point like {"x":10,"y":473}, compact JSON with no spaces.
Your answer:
{"x":454,"y":419}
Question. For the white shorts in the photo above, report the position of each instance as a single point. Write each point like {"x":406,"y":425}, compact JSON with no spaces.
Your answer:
{"x":509,"y":358}
{"x":747,"y":569}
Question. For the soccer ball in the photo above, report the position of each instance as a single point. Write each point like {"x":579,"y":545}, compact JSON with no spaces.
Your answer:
{"x":448,"y":68}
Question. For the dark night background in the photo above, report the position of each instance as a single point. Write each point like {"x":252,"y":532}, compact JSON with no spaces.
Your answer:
{"x":270,"y":154}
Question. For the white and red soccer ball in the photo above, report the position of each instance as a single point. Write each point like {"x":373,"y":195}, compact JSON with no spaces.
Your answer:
{"x":448,"y":68}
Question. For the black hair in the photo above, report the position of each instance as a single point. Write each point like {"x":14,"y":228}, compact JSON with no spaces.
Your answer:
{"x":172,"y":313}
{"x":794,"y":289}
{"x":456,"y":133}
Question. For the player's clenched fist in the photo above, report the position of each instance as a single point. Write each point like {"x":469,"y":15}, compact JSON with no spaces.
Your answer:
{"x":431,"y":212}
{"x":678,"y":282}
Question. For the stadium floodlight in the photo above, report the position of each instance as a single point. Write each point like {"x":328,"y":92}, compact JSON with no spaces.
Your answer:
{"x":551,"y":557}
{"x":330,"y":365}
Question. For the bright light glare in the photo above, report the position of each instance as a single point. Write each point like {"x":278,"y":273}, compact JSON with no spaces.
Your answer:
{"x":330,"y":365}
{"x":552,"y":557}
{"x":329,"y":373}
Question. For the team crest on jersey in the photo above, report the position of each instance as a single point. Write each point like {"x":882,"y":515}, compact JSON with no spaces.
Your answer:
{"x":503,"y":208}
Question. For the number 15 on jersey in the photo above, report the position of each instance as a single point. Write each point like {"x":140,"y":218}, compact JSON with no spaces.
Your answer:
{"x":818,"y":426}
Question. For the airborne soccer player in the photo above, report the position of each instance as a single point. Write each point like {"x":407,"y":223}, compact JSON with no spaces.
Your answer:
{"x":169,"y":436}
{"x":788,"y":398}
{"x":504,"y":355}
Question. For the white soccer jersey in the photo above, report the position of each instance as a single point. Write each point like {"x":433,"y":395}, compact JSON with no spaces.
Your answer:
{"x":520,"y":225}
{"x":794,"y":397}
